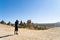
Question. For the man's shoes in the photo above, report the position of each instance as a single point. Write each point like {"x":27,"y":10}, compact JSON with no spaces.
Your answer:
{"x":16,"y":33}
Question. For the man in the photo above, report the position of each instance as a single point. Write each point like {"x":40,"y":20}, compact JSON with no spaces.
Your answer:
{"x":16,"y":27}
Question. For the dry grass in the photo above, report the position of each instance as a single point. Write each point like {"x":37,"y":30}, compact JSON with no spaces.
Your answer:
{"x":26,"y":34}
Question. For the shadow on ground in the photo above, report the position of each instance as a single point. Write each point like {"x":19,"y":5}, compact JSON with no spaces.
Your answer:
{"x":6,"y":36}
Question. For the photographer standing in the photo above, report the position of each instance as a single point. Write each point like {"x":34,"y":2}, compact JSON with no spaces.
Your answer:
{"x":16,"y":27}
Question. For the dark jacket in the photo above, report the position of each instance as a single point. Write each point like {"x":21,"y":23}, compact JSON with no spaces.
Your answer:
{"x":16,"y":25}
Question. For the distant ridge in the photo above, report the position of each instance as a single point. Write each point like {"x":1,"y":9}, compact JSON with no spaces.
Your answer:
{"x":57,"y":24}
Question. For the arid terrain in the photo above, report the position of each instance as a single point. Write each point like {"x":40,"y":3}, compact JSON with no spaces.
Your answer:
{"x":7,"y":33}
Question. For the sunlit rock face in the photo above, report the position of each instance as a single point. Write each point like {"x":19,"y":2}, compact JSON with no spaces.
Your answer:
{"x":29,"y":23}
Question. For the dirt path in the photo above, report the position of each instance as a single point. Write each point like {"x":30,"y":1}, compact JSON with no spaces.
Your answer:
{"x":7,"y":33}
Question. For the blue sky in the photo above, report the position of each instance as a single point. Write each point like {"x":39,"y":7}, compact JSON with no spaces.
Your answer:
{"x":39,"y":11}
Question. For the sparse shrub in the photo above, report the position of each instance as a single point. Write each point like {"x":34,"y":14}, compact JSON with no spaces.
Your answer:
{"x":22,"y":25}
{"x":12,"y":24}
{"x":9,"y":23}
{"x":2,"y":22}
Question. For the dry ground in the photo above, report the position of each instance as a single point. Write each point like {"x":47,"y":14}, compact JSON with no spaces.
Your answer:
{"x":7,"y":33}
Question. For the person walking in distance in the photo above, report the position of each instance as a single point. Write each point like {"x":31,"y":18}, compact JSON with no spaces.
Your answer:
{"x":16,"y":27}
